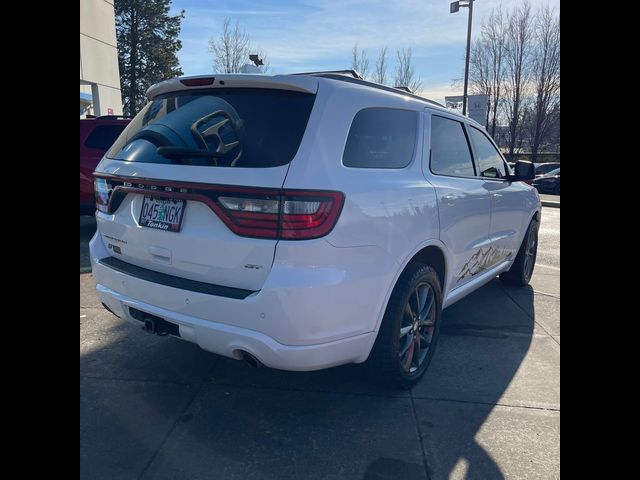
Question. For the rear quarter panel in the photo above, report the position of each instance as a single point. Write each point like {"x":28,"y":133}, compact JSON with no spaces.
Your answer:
{"x":393,"y":210}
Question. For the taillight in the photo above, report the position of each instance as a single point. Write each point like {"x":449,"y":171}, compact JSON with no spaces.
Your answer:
{"x":309,"y":214}
{"x":249,"y":212}
{"x":250,"y":216}
{"x":288,"y":215}
{"x":102,"y":191}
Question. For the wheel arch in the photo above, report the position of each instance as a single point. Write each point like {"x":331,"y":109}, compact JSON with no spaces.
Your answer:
{"x":433,"y":253}
{"x":536,"y":214}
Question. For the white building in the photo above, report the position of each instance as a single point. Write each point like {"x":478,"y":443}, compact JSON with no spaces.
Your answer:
{"x":99,"y":72}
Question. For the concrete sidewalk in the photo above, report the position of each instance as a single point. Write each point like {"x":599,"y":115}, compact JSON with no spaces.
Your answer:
{"x":489,"y":407}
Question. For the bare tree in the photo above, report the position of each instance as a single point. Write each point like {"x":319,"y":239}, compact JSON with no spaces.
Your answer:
{"x":380,"y":75}
{"x":518,"y":51}
{"x":405,"y":74}
{"x":480,"y":72}
{"x":546,"y":77}
{"x":232,"y":49}
{"x":493,"y":36}
{"x":360,"y":62}
{"x":487,"y":66}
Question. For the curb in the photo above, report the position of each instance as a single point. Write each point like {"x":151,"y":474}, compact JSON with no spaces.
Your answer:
{"x":549,"y":203}
{"x":85,"y":270}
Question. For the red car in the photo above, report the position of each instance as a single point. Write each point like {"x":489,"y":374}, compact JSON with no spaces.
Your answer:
{"x":97,"y":134}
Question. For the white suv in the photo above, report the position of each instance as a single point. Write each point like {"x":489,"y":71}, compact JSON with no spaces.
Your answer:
{"x":305,"y":221}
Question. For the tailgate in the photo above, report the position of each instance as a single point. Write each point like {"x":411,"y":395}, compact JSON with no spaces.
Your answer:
{"x":204,"y":249}
{"x":159,"y":185}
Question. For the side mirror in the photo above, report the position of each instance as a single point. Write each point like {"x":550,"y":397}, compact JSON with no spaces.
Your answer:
{"x":523,"y":170}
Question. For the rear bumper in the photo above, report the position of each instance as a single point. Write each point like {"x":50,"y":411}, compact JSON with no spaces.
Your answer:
{"x":304,"y":318}
{"x":231,"y":341}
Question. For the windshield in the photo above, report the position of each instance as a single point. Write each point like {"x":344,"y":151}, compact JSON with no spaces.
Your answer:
{"x":553,"y":172}
{"x":241,"y":127}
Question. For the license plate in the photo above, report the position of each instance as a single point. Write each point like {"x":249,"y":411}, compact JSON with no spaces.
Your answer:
{"x":162,"y":213}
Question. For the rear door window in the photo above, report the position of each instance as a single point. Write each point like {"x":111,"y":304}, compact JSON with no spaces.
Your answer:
{"x":235,"y":127}
{"x":450,"y":154}
{"x":103,"y":136}
{"x":381,"y":138}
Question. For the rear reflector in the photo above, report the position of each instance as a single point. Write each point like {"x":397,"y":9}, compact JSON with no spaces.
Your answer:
{"x":198,"y":82}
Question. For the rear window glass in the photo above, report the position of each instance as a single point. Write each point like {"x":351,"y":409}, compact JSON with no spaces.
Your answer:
{"x":239,"y":127}
{"x":381,"y":138}
{"x":103,"y":136}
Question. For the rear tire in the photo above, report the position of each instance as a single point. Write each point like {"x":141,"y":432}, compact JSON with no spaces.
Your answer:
{"x":411,"y":322}
{"x":522,"y":267}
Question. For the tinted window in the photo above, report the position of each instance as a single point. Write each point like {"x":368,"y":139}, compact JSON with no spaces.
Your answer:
{"x":103,"y":136}
{"x":489,"y":159}
{"x":381,"y":138}
{"x":450,"y":153}
{"x":241,"y":127}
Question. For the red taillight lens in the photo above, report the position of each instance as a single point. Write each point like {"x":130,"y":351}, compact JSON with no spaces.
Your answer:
{"x":255,"y":216}
{"x":102,"y":191}
{"x":289,"y":215}
{"x":308,"y":215}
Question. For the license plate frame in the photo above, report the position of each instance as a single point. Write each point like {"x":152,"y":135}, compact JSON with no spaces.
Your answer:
{"x":160,"y":219}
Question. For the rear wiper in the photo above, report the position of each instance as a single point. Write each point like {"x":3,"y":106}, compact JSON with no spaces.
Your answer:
{"x":170,"y":152}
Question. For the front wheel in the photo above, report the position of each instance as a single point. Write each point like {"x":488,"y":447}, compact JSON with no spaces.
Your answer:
{"x":410,"y":327}
{"x":520,"y":272}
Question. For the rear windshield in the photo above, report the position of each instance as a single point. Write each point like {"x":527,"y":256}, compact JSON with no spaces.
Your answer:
{"x":241,"y":127}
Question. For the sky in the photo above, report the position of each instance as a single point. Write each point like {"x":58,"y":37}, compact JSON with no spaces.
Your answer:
{"x":311,"y":35}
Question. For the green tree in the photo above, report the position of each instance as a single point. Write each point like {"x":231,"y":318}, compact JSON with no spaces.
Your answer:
{"x":147,"y":47}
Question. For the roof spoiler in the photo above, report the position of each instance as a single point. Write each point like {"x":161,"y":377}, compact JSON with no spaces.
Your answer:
{"x":306,"y":84}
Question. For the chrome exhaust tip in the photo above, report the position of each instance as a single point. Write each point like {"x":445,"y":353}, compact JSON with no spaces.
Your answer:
{"x":251,"y":360}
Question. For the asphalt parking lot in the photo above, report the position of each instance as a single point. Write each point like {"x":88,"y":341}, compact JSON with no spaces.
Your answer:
{"x":489,"y":407}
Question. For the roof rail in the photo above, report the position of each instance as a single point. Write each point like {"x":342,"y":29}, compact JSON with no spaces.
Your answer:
{"x":106,"y":117}
{"x":353,"y":73}
{"x":404,"y":89}
{"x":359,"y":81}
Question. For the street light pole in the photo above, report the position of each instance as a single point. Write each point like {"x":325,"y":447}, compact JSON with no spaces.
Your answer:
{"x":466,"y":63}
{"x":455,"y":6}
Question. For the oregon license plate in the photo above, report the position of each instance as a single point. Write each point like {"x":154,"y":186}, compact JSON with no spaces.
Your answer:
{"x":162,"y":213}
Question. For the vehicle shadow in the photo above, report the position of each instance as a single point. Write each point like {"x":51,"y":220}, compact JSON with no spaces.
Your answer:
{"x":484,"y":341}
{"x":87,"y":229}
{"x":158,"y":407}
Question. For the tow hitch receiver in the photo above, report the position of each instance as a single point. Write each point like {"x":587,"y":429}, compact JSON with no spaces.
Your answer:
{"x":154,"y":324}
